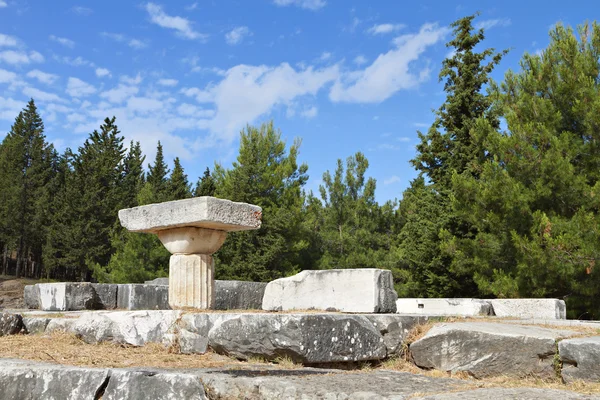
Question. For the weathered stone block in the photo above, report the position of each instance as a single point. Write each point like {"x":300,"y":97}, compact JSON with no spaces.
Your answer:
{"x":580,"y":358}
{"x":191,"y":281}
{"x":346,"y":290}
{"x":129,"y":327}
{"x":106,"y":294}
{"x":488,"y":349}
{"x":520,"y":393}
{"x":31,"y":295}
{"x":395,"y":328}
{"x":158,"y":281}
{"x":21,"y":379}
{"x":239,"y":295}
{"x":35,"y":325}
{"x":150,"y":384}
{"x":133,"y":296}
{"x":530,"y":308}
{"x":304,"y":338}
{"x":67,"y":296}
{"x":10,"y":324}
{"x":462,"y":307}
{"x":201,"y":212}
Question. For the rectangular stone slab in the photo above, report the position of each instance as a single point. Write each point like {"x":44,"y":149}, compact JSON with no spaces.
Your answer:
{"x":463,"y":307}
{"x":202,"y":212}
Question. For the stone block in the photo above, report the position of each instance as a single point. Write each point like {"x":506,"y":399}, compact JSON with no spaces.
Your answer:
{"x":518,"y":393}
{"x":31,"y":296}
{"x":128,"y":327}
{"x":150,"y":384}
{"x":158,"y":281}
{"x":132,"y":296}
{"x":461,"y":307}
{"x":239,"y":295}
{"x":22,"y":379}
{"x":580,"y":358}
{"x":191,"y":281}
{"x":395,"y":328}
{"x":530,"y":308}
{"x":485,"y":349}
{"x":202,"y":212}
{"x":346,"y":290}
{"x":304,"y":338}
{"x":34,"y":325}
{"x":67,"y":296}
{"x":10,"y":324}
{"x":106,"y":295}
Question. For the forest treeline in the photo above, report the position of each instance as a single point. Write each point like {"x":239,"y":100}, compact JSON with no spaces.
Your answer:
{"x":507,"y":202}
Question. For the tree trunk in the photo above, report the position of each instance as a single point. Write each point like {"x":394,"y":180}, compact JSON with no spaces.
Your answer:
{"x":5,"y":260}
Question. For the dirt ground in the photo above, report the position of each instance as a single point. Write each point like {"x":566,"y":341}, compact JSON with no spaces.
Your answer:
{"x":11,"y":291}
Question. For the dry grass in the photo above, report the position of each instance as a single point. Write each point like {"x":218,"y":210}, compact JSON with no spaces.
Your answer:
{"x":63,"y":348}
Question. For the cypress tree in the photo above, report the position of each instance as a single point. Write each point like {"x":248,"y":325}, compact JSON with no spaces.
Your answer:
{"x":178,"y":186}
{"x":157,"y":175}
{"x":205,"y":185}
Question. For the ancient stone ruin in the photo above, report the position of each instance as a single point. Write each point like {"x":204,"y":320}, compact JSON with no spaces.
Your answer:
{"x":315,"y":318}
{"x":192,"y":230}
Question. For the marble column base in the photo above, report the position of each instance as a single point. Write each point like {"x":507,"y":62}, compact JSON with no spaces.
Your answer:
{"x":191,"y":281}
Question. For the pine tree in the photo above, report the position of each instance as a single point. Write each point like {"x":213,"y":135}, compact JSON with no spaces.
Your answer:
{"x":27,"y":161}
{"x":536,"y":202}
{"x":451,"y":146}
{"x":157,"y":175}
{"x":205,"y":185}
{"x":265,"y":174}
{"x":178,"y":186}
{"x":133,"y":170}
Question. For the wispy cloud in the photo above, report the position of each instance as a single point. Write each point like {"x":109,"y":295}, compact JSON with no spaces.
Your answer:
{"x":3,"y":4}
{"x":391,"y":179}
{"x":421,"y":125}
{"x":237,"y":35}
{"x":8,"y":41}
{"x":360,"y":60}
{"x":63,"y":41}
{"x":168,"y":82}
{"x":182,"y":26}
{"x":192,"y":6}
{"x":490,"y":23}
{"x":381,"y":29}
{"x":102,"y":72}
{"x":7,"y":76}
{"x":20,"y":57}
{"x":74,"y":62}
{"x":306,"y":4}
{"x":82,"y":10}
{"x":78,"y":88}
{"x":310,"y":112}
{"x":42,"y":77}
{"x":120,"y":38}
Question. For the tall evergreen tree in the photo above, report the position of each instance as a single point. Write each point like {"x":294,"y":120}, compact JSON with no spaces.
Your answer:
{"x":157,"y":175}
{"x":133,"y":178}
{"x":266,"y":174}
{"x":536,"y":202}
{"x":28,"y":161}
{"x":205,"y":185}
{"x":178,"y":186}
{"x":451,"y":146}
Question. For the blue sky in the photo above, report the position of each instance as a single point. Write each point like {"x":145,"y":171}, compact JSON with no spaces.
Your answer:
{"x":344,"y":76}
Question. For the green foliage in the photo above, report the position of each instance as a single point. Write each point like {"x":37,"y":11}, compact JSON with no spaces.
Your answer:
{"x":449,"y":147}
{"x":354,"y":231}
{"x":535,"y":204}
{"x":157,"y":175}
{"x":265,"y":174}
{"x":178,"y":186}
{"x":206,"y":185}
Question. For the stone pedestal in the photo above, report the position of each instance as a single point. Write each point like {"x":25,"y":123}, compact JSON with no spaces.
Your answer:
{"x":191,"y":281}
{"x":192,"y":230}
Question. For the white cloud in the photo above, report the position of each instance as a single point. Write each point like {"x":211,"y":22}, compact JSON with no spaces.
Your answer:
{"x":381,"y":29}
{"x":131,"y":81}
{"x":404,"y":139}
{"x":10,"y":108}
{"x":20,"y":57}
{"x":182,"y":25}
{"x":307,"y":4}
{"x":310,"y":112}
{"x":236,"y":35}
{"x":248,"y":92}
{"x":78,"y":88}
{"x":192,"y":6}
{"x":391,"y":179}
{"x":202,"y":96}
{"x":117,"y":37}
{"x":7,"y":76}
{"x":490,"y":23}
{"x":421,"y":125}
{"x":325,"y":56}
{"x":39,"y":95}
{"x":63,"y":41}
{"x":82,"y":10}
{"x":102,"y":72}
{"x":390,"y":72}
{"x":168,"y":82}
{"x":42,"y":77}
{"x":3,"y":4}
{"x":190,"y":110}
{"x":144,"y":104}
{"x":360,"y":60}
{"x":119,"y":93}
{"x":74,"y":62}
{"x":137,"y":44}
{"x":8,"y":41}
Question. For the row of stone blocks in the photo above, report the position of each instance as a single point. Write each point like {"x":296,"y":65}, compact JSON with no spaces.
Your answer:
{"x":481,"y":349}
{"x":154,"y":295}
